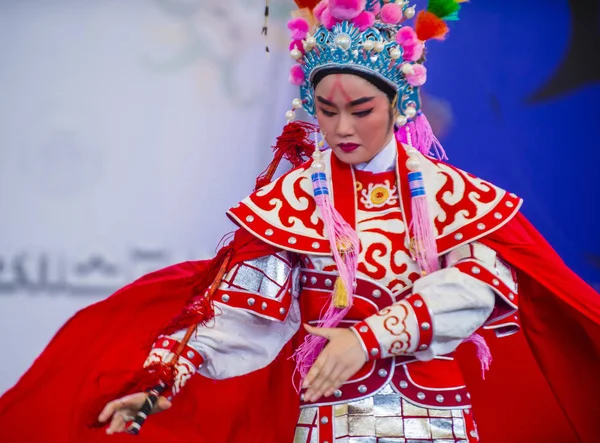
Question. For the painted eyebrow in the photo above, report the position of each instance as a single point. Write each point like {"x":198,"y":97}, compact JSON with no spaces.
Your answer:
{"x":358,"y":101}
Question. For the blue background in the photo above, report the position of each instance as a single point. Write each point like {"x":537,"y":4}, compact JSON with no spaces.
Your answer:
{"x":522,"y":81}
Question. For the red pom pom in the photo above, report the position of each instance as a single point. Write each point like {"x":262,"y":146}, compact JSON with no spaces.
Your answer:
{"x":429,"y":26}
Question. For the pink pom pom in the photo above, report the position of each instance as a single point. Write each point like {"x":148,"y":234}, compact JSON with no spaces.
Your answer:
{"x":318,"y":11}
{"x":346,"y":9}
{"x":364,"y":21}
{"x":406,"y":33}
{"x":297,"y":75}
{"x":327,"y":19}
{"x":391,"y":13}
{"x":298,"y":27}
{"x":413,"y":50}
{"x":298,"y":45}
{"x":418,"y":77}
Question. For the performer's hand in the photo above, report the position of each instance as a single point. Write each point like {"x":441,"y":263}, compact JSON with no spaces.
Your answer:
{"x":340,"y":359}
{"x":124,"y":409}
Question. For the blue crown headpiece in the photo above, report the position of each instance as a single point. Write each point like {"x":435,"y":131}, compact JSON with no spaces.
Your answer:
{"x":371,"y":52}
{"x":367,"y":36}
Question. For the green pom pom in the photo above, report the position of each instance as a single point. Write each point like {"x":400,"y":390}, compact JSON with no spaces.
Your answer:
{"x":443,"y":8}
{"x":452,"y":16}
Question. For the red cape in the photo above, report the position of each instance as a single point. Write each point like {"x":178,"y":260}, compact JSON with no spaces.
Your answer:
{"x":543,"y":385}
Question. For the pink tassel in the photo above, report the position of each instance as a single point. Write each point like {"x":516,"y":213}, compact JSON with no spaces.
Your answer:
{"x":483,"y":352}
{"x":426,"y":248}
{"x":424,"y":140}
{"x":341,"y":235}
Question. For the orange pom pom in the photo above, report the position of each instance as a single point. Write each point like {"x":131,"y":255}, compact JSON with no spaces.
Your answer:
{"x":429,"y":26}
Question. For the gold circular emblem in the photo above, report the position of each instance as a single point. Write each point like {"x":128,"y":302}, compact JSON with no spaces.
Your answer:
{"x":379,"y":195}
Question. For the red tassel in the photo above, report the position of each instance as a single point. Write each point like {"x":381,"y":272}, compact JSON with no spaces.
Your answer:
{"x":199,"y":309}
{"x":294,"y":145}
{"x":429,"y":26}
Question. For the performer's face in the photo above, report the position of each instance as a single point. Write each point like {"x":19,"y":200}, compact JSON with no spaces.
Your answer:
{"x":355,"y":117}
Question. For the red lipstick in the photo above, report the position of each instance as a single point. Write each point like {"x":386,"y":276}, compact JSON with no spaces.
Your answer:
{"x":348,"y":147}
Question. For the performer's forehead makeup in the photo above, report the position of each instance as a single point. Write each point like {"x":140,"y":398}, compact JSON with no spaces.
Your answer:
{"x":337,"y":85}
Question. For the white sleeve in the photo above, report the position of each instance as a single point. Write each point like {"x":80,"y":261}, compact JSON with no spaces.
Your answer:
{"x":444,"y":308}
{"x":240,"y":342}
{"x":459,"y":305}
{"x":256,"y":313}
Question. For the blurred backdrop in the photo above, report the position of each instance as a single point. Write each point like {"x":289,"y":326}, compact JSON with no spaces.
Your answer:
{"x":128,"y":127}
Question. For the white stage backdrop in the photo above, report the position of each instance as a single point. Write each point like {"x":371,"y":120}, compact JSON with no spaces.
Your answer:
{"x":128,"y":127}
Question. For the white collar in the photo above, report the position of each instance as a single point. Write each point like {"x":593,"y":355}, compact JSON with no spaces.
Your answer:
{"x":384,"y":161}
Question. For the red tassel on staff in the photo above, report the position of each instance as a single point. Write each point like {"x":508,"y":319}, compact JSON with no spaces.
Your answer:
{"x":199,"y":309}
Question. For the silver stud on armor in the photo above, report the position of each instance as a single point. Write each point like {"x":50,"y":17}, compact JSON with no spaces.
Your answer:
{"x":269,"y":232}
{"x":418,"y":303}
{"x":225,"y":298}
{"x":313,"y":280}
{"x":316,"y":245}
{"x":292,"y":240}
{"x":423,"y":347}
{"x":251,"y":301}
{"x":362,"y":389}
{"x":337,"y":393}
{"x":190,"y":354}
{"x":403,"y":384}
{"x":264,"y":305}
{"x":425,"y":326}
{"x":282,"y":311}
{"x":250,"y":219}
{"x":439,"y":398}
{"x":374,"y":352}
{"x":328,"y":282}
{"x":324,"y":420}
{"x":376,"y":293}
{"x":475,"y":270}
{"x":383,"y":373}
{"x":458,"y":397}
{"x":480,"y":226}
{"x":421,"y":396}
{"x":458,"y":236}
{"x":364,"y":329}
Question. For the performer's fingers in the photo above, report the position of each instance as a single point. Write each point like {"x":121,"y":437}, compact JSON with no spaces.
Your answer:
{"x":108,"y":410}
{"x":314,"y":370}
{"x":117,"y":424}
{"x":322,"y":382}
{"x":326,"y":333}
{"x":162,"y":404}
